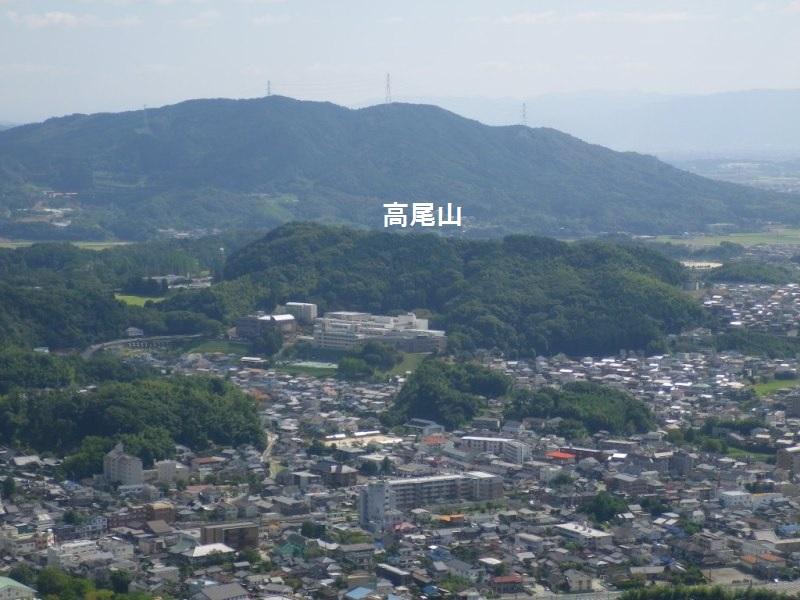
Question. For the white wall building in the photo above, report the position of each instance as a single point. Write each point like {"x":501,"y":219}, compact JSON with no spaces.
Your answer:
{"x":509,"y":449}
{"x":344,"y":330}
{"x":382,"y":504}
{"x":304,"y":312}
{"x":122,"y":468}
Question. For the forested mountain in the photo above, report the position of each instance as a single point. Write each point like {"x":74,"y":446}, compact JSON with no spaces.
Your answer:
{"x":62,"y":296}
{"x":757,"y":124}
{"x":521,"y":294}
{"x":261,"y":162}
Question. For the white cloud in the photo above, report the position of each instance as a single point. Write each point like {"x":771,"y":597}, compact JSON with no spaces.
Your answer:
{"x":68,"y":20}
{"x":550,"y":17}
{"x":538,"y":18}
{"x":771,"y":8}
{"x":201,"y":20}
{"x":269,"y":19}
{"x":636,"y":18}
{"x":792,"y":8}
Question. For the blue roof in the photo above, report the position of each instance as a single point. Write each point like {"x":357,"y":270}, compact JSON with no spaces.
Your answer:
{"x":358,"y":593}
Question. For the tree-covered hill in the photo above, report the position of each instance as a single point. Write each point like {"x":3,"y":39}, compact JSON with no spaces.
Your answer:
{"x":521,"y":294}
{"x":260,"y":162}
{"x":451,"y":394}
{"x":150,"y":416}
{"x":62,"y":296}
{"x":584,"y":406}
{"x":752,"y":271}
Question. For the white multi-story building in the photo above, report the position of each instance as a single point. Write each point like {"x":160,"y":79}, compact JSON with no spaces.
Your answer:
{"x":17,"y":543}
{"x":382,"y":503}
{"x":122,"y":468}
{"x":509,"y":449}
{"x":344,"y":330}
{"x":594,"y":538}
{"x":304,"y":312}
{"x":736,"y":499}
{"x":70,"y":555}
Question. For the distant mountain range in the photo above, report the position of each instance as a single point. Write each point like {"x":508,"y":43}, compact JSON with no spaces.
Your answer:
{"x":261,"y":162}
{"x":754,"y":124}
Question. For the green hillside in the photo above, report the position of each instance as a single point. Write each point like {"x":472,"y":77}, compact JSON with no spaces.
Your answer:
{"x":521,"y":294}
{"x":261,"y":162}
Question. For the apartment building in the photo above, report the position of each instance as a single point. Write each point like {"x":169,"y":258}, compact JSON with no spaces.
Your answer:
{"x":382,"y":504}
{"x":789,"y":459}
{"x":509,"y":449}
{"x":122,"y":468}
{"x":238,"y":535}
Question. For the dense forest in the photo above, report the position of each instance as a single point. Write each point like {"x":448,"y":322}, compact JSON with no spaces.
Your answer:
{"x":62,"y":296}
{"x":149,"y":415}
{"x":455,"y":393}
{"x":368,"y":360}
{"x":583,"y":407}
{"x":33,"y":370}
{"x":114,"y":266}
{"x":751,"y":271}
{"x":522,"y":295}
{"x":262,"y":162}
{"x":449,"y":393}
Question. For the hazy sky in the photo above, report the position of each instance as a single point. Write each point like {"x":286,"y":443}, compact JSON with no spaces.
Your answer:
{"x":59,"y":57}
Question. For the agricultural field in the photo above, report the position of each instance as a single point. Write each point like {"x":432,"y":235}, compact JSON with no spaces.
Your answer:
{"x":307,"y":368}
{"x":410,"y":362}
{"x":779,"y":236}
{"x":85,"y":245}
{"x":774,"y":385}
{"x":222,"y":346}
{"x":133,"y":300}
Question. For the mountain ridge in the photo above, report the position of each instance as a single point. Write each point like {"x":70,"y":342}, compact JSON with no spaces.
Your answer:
{"x":264,"y":161}
{"x":751,"y":123}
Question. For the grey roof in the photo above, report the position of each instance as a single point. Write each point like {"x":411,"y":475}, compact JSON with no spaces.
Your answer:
{"x":223,"y":592}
